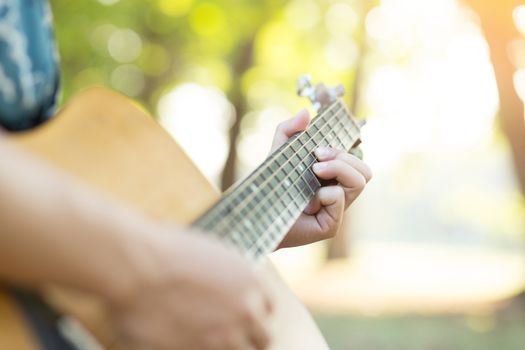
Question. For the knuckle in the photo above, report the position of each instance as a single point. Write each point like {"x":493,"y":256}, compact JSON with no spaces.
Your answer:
{"x":360,"y":182}
{"x":367,"y":172}
{"x":339,"y":192}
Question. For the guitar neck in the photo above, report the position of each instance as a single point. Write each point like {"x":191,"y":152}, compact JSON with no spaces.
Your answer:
{"x":255,"y":215}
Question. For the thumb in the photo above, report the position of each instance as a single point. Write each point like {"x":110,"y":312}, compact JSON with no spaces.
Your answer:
{"x":289,"y":127}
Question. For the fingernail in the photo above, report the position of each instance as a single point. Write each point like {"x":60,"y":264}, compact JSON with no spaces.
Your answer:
{"x":322,"y":152}
{"x":319,"y":167}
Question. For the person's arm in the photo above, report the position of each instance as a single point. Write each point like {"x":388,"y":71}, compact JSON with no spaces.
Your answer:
{"x":158,"y":281}
{"x":55,"y":231}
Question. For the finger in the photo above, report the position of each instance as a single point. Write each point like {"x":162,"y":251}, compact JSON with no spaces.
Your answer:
{"x":327,"y":153}
{"x":329,"y":219}
{"x":313,"y":206}
{"x":323,"y":225}
{"x":350,"y":178}
{"x":289,"y":127}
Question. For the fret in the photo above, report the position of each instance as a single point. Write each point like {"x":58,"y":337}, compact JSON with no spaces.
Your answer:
{"x":301,"y":167}
{"x":288,"y":153}
{"x":279,"y":205}
{"x":305,"y":196}
{"x":303,"y":152}
{"x":310,"y":145}
{"x":339,"y":142}
{"x":312,"y":180}
{"x":296,"y":144}
{"x":297,"y":174}
{"x":294,"y":161}
{"x":329,"y":136}
{"x":306,"y":190}
{"x":257,"y":182}
{"x":273,"y":166}
{"x":279,"y":160}
{"x":250,"y":205}
{"x":278,"y":222}
{"x":326,"y":116}
{"x":237,"y":200}
{"x":288,"y":168}
{"x":294,"y":191}
{"x":244,"y":211}
{"x":255,"y":215}
{"x":287,"y":196}
{"x":248,"y":234}
{"x":267,"y":172}
{"x":280,"y":175}
{"x":309,"y":159}
{"x":318,"y":138}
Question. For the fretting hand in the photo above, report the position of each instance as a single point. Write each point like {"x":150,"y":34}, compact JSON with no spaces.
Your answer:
{"x":324,"y":214}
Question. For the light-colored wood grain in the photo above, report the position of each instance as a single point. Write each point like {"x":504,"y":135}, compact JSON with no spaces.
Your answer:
{"x":102,"y":139}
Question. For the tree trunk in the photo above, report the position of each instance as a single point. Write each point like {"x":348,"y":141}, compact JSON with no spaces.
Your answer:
{"x":243,"y":63}
{"x":499,"y":28}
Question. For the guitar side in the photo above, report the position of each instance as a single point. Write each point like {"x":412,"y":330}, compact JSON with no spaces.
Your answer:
{"x":106,"y":142}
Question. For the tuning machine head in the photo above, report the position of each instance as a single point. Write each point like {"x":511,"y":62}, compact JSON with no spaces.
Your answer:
{"x":320,"y":95}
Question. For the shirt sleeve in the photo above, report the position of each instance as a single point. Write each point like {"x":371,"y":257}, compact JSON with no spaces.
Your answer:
{"x":29,"y":73}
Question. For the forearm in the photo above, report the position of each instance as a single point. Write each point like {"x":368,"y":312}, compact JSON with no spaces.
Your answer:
{"x":53,"y":230}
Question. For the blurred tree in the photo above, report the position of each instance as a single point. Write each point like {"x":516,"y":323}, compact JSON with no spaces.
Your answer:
{"x":500,"y":31}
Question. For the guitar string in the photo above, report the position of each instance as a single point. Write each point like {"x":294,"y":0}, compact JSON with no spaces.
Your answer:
{"x":299,"y":193}
{"x":267,"y":245}
{"x":272,"y":157}
{"x":248,"y":199}
{"x":340,"y":133}
{"x":231,"y":227}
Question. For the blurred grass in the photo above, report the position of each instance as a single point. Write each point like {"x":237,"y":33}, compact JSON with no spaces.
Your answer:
{"x":504,"y":330}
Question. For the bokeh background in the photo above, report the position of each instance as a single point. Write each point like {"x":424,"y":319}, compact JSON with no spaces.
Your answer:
{"x":432,"y":255}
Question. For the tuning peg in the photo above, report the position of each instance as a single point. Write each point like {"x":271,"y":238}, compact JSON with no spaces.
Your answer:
{"x":319,"y":94}
{"x":337,"y":92}
{"x":304,"y":82}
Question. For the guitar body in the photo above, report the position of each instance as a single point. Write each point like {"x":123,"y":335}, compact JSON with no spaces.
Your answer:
{"x":108,"y":143}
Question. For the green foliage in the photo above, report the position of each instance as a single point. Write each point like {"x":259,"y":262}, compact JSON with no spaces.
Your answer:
{"x":143,"y":48}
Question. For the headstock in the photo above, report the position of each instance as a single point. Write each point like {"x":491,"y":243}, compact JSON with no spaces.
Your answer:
{"x":320,"y":95}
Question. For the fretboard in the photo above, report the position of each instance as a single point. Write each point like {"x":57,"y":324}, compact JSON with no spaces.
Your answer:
{"x":255,"y":215}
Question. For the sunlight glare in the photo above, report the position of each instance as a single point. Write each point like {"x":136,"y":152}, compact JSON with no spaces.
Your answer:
{"x":255,"y":142}
{"x":519,"y":18}
{"x":198,"y":118}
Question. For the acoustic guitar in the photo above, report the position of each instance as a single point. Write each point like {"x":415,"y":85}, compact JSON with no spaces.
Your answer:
{"x":113,"y":146}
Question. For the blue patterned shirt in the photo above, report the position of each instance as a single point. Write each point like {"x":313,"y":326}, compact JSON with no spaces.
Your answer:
{"x":28,"y":64}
